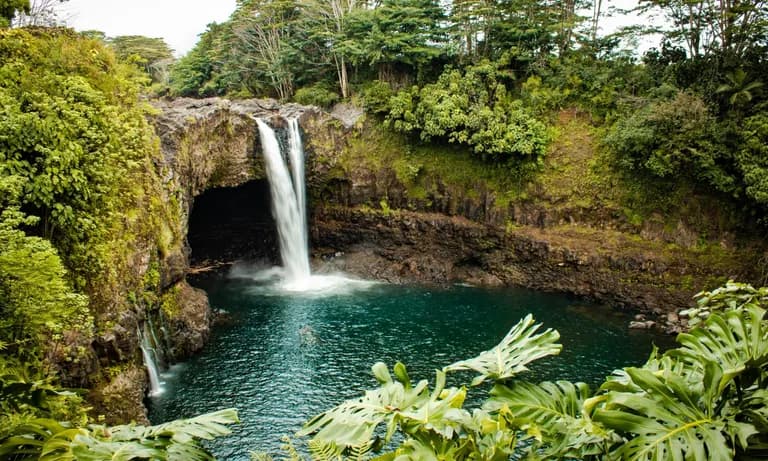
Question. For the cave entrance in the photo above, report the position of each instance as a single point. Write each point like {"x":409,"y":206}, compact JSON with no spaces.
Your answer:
{"x":233,"y":223}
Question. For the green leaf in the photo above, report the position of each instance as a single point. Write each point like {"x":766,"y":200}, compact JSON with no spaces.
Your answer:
{"x":667,"y":419}
{"x":519,"y":347}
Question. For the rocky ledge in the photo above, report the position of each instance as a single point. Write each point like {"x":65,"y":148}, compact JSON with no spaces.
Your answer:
{"x":607,"y":266}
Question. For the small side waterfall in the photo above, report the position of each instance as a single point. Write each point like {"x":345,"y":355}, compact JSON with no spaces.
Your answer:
{"x":149,"y":354}
{"x":288,"y":202}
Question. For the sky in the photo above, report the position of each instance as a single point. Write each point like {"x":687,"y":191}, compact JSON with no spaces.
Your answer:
{"x":179,"y":22}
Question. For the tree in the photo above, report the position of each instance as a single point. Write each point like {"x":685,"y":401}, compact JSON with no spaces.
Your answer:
{"x":151,"y":54}
{"x":10,"y":8}
{"x":471,"y":22}
{"x":731,"y":27}
{"x":405,"y":33}
{"x":198,"y":72}
{"x":328,"y":22}
{"x":535,"y":29}
{"x":263,"y":32}
{"x":41,"y":13}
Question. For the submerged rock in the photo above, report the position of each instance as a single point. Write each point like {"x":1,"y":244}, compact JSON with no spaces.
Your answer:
{"x":646,"y":325}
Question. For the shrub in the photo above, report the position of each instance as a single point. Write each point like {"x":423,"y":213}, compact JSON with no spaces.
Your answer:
{"x":752,"y":157}
{"x":316,"y":95}
{"x":673,"y":137}
{"x":471,"y":108}
{"x":376,"y":96}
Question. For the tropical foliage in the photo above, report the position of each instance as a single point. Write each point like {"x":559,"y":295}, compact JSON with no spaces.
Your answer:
{"x":76,"y":162}
{"x":46,"y":439}
{"x":472,"y":108}
{"x":705,"y":399}
{"x":488,"y":75}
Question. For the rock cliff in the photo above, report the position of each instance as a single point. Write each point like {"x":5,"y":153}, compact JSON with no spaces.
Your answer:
{"x":394,"y":218}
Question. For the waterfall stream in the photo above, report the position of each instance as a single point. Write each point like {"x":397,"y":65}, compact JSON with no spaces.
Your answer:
{"x":149,"y":354}
{"x":285,"y":172}
{"x":296,"y":157}
{"x":288,"y":201}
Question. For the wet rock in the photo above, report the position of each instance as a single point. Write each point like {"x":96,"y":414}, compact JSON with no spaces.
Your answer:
{"x":434,"y":248}
{"x":174,"y":267}
{"x":120,"y":400}
{"x":673,"y":318}
{"x":187,"y":320}
{"x":347,"y":114}
{"x":647,"y":325}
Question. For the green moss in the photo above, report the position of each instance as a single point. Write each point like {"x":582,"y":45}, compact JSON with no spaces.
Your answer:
{"x":169,"y":302}
{"x":385,"y":209}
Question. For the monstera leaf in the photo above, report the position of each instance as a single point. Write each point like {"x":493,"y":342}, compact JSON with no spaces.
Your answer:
{"x":353,"y":422}
{"x":49,"y":440}
{"x":520,"y":347}
{"x":668,"y":419}
{"x":554,"y":413}
{"x":737,"y":340}
{"x":731,"y":296}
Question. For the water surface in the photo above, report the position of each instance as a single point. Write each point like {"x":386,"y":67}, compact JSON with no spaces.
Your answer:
{"x":284,"y":357}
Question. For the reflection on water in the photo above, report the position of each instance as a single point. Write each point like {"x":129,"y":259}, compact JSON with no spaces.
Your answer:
{"x":285,"y":356}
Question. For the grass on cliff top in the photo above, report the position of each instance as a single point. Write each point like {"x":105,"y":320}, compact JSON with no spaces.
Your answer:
{"x":422,"y":167}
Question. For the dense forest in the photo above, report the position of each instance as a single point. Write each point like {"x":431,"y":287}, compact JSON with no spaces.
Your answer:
{"x":488,"y":75}
{"x":77,"y":151}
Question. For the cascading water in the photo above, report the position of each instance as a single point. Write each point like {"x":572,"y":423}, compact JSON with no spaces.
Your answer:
{"x":296,"y":157}
{"x":287,"y":202}
{"x":289,"y":210}
{"x":150,"y":361}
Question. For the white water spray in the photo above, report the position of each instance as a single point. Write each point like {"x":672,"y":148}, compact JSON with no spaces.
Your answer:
{"x":289,"y":209}
{"x":150,"y":361}
{"x":289,"y":215}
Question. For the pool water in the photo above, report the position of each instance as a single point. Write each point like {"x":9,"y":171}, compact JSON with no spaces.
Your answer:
{"x":281,"y":357}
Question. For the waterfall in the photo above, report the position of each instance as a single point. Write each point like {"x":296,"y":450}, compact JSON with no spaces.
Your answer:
{"x":288,"y":205}
{"x":150,"y":361}
{"x":296,"y":157}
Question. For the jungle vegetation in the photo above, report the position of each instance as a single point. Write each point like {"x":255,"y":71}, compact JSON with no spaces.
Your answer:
{"x":75,"y":149}
{"x":488,"y":75}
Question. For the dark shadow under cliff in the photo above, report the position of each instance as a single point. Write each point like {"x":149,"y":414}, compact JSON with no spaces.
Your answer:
{"x":228,"y":224}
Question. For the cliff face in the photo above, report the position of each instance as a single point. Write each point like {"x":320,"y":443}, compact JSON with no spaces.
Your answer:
{"x":204,"y":144}
{"x":400,"y":214}
{"x":608,"y":266}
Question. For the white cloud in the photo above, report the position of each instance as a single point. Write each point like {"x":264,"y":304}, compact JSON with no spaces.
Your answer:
{"x":179,"y":22}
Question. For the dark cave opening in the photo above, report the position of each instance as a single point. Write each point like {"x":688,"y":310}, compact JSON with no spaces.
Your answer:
{"x":233,"y":223}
